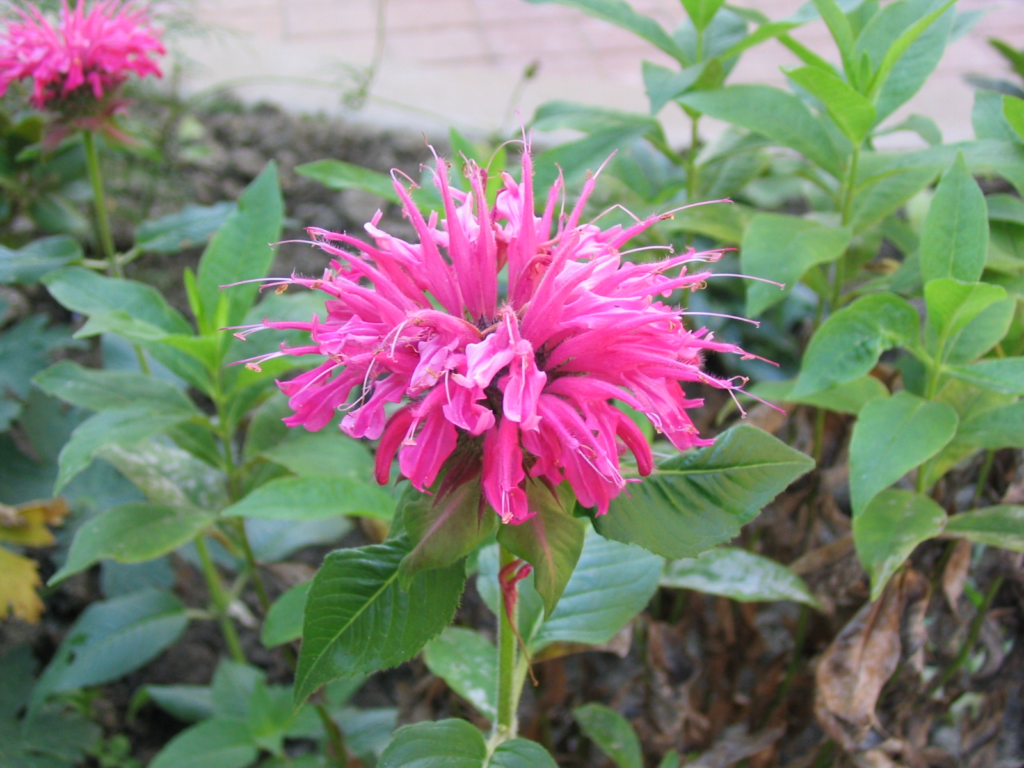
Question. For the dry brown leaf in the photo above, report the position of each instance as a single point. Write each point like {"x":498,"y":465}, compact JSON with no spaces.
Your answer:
{"x":26,"y":524}
{"x":736,"y":744}
{"x":954,"y":576}
{"x":916,"y":594}
{"x":853,"y":670}
{"x":672,"y":671}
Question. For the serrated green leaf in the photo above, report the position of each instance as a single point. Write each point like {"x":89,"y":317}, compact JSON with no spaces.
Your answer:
{"x":551,"y":541}
{"x":954,"y":240}
{"x":999,"y":526}
{"x":132,"y":533}
{"x":314,"y":498}
{"x":444,"y":527}
{"x":216,"y":743}
{"x":241,"y":250}
{"x":612,"y":733}
{"x":739,"y":575}
{"x":442,"y":744}
{"x":890,"y":528}
{"x":782,"y":248}
{"x":358,"y":619}
{"x":890,"y":438}
{"x":702,"y":498}
{"x":468,"y":662}
{"x":849,"y":344}
{"x":773,"y":113}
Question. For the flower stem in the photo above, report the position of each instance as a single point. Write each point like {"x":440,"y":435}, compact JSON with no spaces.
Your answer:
{"x":92,"y":159}
{"x":220,"y":600}
{"x":508,"y":695}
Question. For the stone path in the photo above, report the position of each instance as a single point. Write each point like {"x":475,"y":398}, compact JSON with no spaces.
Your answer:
{"x":460,"y":61}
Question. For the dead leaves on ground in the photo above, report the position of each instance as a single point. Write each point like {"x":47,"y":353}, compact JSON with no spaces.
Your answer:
{"x":26,"y":525}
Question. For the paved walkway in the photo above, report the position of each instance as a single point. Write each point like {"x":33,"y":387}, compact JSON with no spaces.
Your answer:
{"x":460,"y":61}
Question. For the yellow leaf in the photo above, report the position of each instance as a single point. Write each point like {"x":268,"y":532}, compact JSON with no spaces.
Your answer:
{"x":25,"y":524}
{"x":18,"y":582}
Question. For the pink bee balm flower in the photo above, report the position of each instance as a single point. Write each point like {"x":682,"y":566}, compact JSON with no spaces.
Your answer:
{"x":512,"y":383}
{"x":87,"y":53}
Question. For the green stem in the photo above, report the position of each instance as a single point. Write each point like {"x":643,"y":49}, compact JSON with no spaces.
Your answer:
{"x":334,"y":735}
{"x":972,"y":638}
{"x":220,"y":600}
{"x":508,"y":695}
{"x":691,"y":161}
{"x":253,"y":567}
{"x":983,"y":473}
{"x":92,"y":159}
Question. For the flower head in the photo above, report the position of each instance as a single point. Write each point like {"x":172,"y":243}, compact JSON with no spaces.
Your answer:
{"x":501,"y":382}
{"x":85,"y":58}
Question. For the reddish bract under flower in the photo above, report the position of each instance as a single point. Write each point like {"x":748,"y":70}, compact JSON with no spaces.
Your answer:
{"x":87,"y":53}
{"x":513,"y":388}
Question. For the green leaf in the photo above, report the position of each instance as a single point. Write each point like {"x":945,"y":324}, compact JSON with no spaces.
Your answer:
{"x":982,"y":333}
{"x":951,"y":306}
{"x":852,"y":112}
{"x":738,"y":574}
{"x":702,"y":11}
{"x":132,"y":533}
{"x":995,"y":428}
{"x":1013,"y":111}
{"x":217,"y":743}
{"x":468,"y":662}
{"x":314,"y":498}
{"x":575,"y":158}
{"x":284,"y":619}
{"x":890,"y":438}
{"x":849,"y":397}
{"x":241,"y":250}
{"x":701,"y":499}
{"x":188,"y":703}
{"x":334,"y":174}
{"x":233,"y":687}
{"x":358,"y":619}
{"x":782,"y":248}
{"x":82,"y":290}
{"x":663,"y":84}
{"x":1005,"y":375}
{"x":849,"y":344}
{"x":622,"y":15}
{"x":112,"y":638}
{"x":442,"y":744}
{"x":1004,"y":207}
{"x":39,"y":258}
{"x":328,"y":453}
{"x":551,"y":541}
{"x":191,"y":227}
{"x":521,"y":753}
{"x":126,"y":427}
{"x":922,"y":125}
{"x":100,"y":390}
{"x":954,"y":240}
{"x":168,"y":475}
{"x":987,"y":117}
{"x":900,"y":46}
{"x":444,"y":527}
{"x":999,"y":526}
{"x":771,"y":112}
{"x":881,"y":197}
{"x":724,"y":223}
{"x":611,"y":584}
{"x":889,"y":529}
{"x":612,"y":733}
